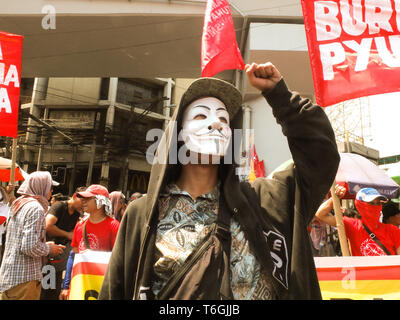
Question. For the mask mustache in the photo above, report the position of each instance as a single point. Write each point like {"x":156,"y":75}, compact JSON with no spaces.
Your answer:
{"x":210,"y":132}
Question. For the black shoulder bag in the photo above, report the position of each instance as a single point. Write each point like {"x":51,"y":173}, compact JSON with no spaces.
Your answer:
{"x":373,"y":237}
{"x":205,"y":273}
{"x":85,"y":237}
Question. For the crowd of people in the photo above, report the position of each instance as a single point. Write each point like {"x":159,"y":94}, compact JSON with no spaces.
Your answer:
{"x":40,"y":228}
{"x":200,"y":232}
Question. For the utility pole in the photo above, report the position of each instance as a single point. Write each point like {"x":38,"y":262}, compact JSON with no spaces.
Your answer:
{"x":74,"y":150}
{"x":42,"y":141}
{"x":73,"y":174}
{"x":93,"y":152}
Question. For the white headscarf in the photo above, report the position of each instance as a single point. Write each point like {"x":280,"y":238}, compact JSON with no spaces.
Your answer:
{"x":38,"y":186}
{"x":104,"y":201}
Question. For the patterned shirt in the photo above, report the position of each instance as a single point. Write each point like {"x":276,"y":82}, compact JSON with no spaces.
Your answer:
{"x":183,"y":224}
{"x":25,"y":247}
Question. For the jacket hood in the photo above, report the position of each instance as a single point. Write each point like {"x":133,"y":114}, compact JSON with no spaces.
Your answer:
{"x":165,"y":166}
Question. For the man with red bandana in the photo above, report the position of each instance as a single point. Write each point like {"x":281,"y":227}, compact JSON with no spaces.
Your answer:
{"x":368,"y":236}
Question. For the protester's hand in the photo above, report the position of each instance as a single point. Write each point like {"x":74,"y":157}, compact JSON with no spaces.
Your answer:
{"x":263,"y":76}
{"x":55,"y":249}
{"x":340,"y":191}
{"x":63,"y":294}
{"x":10,"y":192}
{"x":70,"y":235}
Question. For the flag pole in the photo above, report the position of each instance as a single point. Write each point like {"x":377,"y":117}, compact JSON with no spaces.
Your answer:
{"x":339,"y":222}
{"x":13,"y":161}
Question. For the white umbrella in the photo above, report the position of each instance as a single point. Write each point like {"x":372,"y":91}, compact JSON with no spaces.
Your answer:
{"x":5,"y":171}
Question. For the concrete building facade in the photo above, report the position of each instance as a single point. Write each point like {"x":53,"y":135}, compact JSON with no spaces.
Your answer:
{"x":96,"y":130}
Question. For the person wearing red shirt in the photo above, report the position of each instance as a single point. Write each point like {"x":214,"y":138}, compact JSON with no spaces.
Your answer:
{"x":101,"y":229}
{"x":391,"y":214}
{"x":368,"y":236}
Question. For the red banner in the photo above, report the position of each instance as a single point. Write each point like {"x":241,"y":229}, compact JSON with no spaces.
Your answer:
{"x":354,"y":47}
{"x":10,"y":80}
{"x":219,"y":49}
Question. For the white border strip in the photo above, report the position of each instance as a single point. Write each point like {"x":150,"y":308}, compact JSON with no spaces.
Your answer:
{"x":92,"y":256}
{"x":340,"y":262}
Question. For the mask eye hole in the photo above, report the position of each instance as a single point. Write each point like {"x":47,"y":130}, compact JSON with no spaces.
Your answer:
{"x":200,"y":117}
{"x":223,"y":120}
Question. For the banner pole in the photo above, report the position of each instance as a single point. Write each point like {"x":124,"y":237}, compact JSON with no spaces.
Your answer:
{"x":339,"y":222}
{"x":13,"y":161}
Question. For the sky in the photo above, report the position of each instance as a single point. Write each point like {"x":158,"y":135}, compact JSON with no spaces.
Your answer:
{"x":385,"y":108}
{"x":385,"y":124}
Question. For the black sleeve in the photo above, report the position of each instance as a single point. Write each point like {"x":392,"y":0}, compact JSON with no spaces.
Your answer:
{"x":311,"y":142}
{"x":58,"y":208}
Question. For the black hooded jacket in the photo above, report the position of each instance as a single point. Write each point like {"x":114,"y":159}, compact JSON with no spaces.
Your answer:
{"x":273,"y":212}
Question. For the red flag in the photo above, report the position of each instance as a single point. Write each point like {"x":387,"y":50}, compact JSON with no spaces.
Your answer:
{"x":258,"y":165}
{"x":257,"y":168}
{"x":354,"y":48}
{"x":219,"y":49}
{"x":10,"y":80}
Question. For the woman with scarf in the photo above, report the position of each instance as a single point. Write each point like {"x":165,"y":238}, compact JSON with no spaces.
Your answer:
{"x":368,"y":236}
{"x":21,"y":269}
{"x":118,"y":204}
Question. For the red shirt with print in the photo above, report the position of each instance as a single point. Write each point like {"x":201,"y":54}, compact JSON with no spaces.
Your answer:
{"x":101,"y":235}
{"x":362,"y":244}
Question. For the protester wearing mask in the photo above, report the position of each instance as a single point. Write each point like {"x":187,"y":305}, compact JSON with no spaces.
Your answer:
{"x":368,"y":236}
{"x":21,"y":269}
{"x":200,"y":233}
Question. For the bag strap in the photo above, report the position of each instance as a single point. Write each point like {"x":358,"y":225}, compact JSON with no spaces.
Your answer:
{"x":373,"y":237}
{"x":84,"y":235}
{"x":196,"y":254}
{"x":221,"y":228}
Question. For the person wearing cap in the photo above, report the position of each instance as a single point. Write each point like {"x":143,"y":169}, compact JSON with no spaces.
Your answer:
{"x":391,"y":213}
{"x":97,"y":232}
{"x":26,"y":246}
{"x":199,"y":232}
{"x":368,"y":236}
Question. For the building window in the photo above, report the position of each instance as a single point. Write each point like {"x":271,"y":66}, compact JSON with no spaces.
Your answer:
{"x":138,"y":92}
{"x":105,"y":84}
{"x":26,"y":90}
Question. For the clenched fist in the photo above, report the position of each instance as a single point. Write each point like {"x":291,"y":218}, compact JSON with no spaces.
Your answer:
{"x":263,"y":76}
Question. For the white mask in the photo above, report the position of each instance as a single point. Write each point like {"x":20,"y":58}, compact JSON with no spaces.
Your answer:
{"x":205,"y":127}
